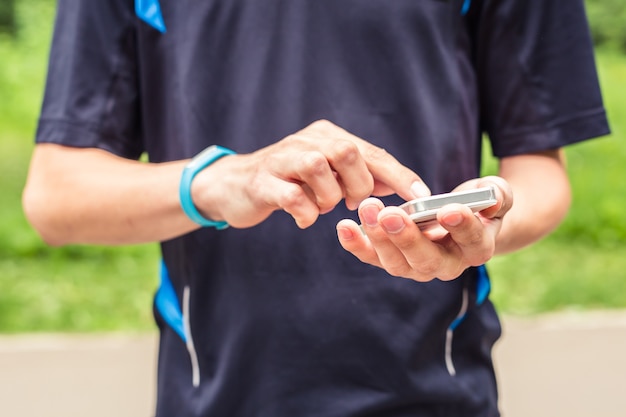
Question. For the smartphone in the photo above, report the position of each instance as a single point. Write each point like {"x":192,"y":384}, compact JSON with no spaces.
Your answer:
{"x":424,"y":210}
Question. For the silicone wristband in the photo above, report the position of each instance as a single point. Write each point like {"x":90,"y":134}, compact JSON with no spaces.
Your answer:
{"x":193,"y":167}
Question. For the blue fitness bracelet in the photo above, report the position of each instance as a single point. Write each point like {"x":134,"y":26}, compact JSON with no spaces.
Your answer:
{"x":197,"y":164}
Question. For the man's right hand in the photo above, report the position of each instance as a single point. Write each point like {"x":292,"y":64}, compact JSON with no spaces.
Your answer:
{"x":88,"y":195}
{"x":305,"y":174}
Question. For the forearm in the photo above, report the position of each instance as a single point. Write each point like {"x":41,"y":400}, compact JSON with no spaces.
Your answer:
{"x":86,"y":195}
{"x":542,"y":198}
{"x":103,"y":199}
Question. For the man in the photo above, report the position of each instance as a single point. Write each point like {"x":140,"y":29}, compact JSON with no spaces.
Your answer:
{"x":370,"y":98}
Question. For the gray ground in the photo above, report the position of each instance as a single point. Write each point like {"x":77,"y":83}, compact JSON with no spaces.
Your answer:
{"x":564,"y":365}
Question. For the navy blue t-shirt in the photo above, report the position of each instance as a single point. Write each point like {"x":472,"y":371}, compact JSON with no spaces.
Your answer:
{"x":277,"y":321}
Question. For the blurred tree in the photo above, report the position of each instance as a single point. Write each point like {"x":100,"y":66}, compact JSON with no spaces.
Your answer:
{"x":7,"y":17}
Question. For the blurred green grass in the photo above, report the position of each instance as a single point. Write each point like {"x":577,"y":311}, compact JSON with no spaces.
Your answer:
{"x":91,"y":288}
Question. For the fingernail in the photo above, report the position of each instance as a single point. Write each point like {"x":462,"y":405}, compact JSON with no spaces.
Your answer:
{"x":369,"y":215}
{"x":345,"y":233}
{"x":392,"y":223}
{"x":453,"y":219}
{"x":352,"y":205}
{"x":419,"y":189}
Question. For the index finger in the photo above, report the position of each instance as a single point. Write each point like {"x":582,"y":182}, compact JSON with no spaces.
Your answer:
{"x":390,"y":176}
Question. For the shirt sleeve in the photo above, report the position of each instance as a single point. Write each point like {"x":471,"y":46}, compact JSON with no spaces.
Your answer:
{"x":537,"y":77}
{"x":92,"y":96}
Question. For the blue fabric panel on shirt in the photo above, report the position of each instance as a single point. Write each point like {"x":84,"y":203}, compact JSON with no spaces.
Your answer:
{"x":466,"y":6}
{"x":150,"y":12}
{"x":483,"y":285}
{"x":483,"y":288}
{"x":456,"y":322}
{"x":167,"y":303}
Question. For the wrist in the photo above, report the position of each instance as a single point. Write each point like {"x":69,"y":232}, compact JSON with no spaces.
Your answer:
{"x":187,"y":191}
